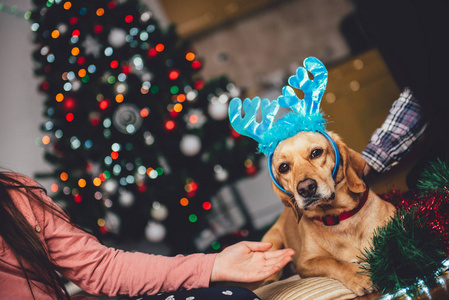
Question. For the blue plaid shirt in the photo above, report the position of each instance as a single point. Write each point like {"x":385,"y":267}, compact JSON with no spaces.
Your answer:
{"x":403,"y":126}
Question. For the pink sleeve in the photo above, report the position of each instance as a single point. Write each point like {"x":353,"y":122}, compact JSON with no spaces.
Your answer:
{"x":98,"y":269}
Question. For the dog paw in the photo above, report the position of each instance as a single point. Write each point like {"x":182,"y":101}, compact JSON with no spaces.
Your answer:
{"x":360,"y":285}
{"x":271,"y":279}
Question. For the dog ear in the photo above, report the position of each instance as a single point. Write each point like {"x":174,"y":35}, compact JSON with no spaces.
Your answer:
{"x":288,"y":201}
{"x":352,"y":166}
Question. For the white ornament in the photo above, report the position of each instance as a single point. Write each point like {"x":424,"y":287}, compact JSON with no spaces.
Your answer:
{"x":159,"y":211}
{"x":190,"y":144}
{"x":62,"y":28}
{"x":155,"y":232}
{"x":126,"y":198}
{"x":110,"y":186}
{"x":220,"y":173}
{"x":112,"y":222}
{"x":218,"y":110}
{"x":127,"y":118}
{"x":117,"y":37}
{"x":91,"y":46}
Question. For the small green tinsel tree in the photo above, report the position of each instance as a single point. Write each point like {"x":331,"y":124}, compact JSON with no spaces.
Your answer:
{"x":404,"y":253}
{"x":435,"y":177}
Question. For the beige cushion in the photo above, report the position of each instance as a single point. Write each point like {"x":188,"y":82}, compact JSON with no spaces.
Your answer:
{"x":313,"y":288}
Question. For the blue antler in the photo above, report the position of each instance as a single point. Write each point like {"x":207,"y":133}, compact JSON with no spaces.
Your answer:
{"x":248,"y":125}
{"x":305,"y":114}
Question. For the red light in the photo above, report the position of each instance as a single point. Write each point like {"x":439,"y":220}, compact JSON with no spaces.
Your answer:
{"x":129,"y":19}
{"x":77,"y":198}
{"x":103,"y":230}
{"x":73,"y":20}
{"x":234,"y":133}
{"x":95,"y":121}
{"x":45,"y":85}
{"x":207,"y":205}
{"x":76,"y":33}
{"x":196,"y":64}
{"x":81,"y":60}
{"x":98,"y":28}
{"x":194,"y":186}
{"x":160,"y":47}
{"x":144,"y":112}
{"x":69,"y":117}
{"x":69,"y":104}
{"x":199,"y":85}
{"x":126,"y":70}
{"x":104,"y":104}
{"x":114,"y":64}
{"x":152,"y":52}
{"x":141,"y":187}
{"x":102,"y":177}
{"x":173,"y":75}
{"x":251,"y":170}
{"x":170,"y":125}
{"x":111,"y":4}
{"x":114,"y":155}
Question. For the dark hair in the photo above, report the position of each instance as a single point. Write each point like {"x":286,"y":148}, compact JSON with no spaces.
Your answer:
{"x":22,"y":238}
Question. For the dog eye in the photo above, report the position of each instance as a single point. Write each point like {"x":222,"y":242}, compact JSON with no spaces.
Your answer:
{"x":283,"y":168}
{"x":316,"y":153}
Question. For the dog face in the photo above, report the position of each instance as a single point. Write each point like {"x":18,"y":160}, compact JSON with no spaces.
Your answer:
{"x":303,"y":165}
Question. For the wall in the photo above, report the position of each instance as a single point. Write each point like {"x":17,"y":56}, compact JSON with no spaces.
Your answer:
{"x":20,"y":104}
{"x":256,"y":51}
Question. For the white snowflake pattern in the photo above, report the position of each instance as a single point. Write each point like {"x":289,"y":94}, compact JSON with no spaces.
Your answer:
{"x":92,"y":46}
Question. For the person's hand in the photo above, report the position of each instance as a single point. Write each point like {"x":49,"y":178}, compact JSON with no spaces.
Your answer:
{"x":249,"y":262}
{"x":366,"y":170}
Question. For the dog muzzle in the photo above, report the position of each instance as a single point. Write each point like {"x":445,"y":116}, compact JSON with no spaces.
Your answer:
{"x":334,"y":171}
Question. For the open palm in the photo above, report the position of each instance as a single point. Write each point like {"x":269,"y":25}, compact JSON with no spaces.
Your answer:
{"x":249,"y":262}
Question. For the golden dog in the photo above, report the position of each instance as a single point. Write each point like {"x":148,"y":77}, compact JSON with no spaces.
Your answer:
{"x":303,"y":166}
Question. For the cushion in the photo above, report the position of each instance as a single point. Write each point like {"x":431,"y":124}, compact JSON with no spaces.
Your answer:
{"x":312,"y":288}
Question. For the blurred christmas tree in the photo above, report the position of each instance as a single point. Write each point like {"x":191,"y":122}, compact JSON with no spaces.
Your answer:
{"x":138,"y":141}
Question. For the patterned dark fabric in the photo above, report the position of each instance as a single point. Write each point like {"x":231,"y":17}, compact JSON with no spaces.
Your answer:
{"x":402,"y":128}
{"x":212,"y":293}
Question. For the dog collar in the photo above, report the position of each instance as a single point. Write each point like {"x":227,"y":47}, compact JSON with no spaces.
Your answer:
{"x":334,"y":171}
{"x":331,"y":220}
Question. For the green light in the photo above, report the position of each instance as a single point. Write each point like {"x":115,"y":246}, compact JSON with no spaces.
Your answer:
{"x":193,"y":218}
{"x":216,"y":245}
{"x":27,"y":15}
{"x":160,"y":171}
{"x":85,"y":79}
{"x":174,"y":89}
{"x":154,"y":89}
{"x":107,"y":174}
{"x":50,"y":3}
{"x":111,"y":79}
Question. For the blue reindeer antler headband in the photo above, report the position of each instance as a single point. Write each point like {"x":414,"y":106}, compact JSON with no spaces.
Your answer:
{"x":305,"y":113}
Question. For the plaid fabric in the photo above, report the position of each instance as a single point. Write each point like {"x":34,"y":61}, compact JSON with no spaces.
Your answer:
{"x":401,"y":129}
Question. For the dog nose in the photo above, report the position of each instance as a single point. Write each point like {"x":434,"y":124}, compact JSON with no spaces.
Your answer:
{"x":306,"y":188}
